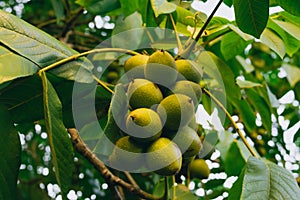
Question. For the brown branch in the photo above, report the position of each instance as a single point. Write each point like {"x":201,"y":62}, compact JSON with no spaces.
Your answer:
{"x":108,"y":176}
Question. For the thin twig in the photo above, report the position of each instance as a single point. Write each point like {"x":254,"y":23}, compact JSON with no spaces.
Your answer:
{"x":108,"y":176}
{"x":186,"y":52}
{"x":231,"y":120}
{"x":130,"y":178}
{"x":174,"y":188}
{"x":74,"y":57}
{"x":176,"y":33}
{"x":103,"y":85}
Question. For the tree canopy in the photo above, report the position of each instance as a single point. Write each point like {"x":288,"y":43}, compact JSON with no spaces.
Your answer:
{"x":62,"y":97}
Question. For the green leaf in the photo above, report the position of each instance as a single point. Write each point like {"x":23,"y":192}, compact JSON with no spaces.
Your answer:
{"x":246,"y":113}
{"x":264,"y":180}
{"x":99,"y":7}
{"x":129,"y":7}
{"x":236,"y":158}
{"x":58,"y":8}
{"x":243,"y":35}
{"x":222,"y":73}
{"x":290,"y":28}
{"x":147,"y":13}
{"x":41,"y":49}
{"x":185,"y":17}
{"x":10,"y":156}
{"x":247,"y":84}
{"x":13,"y":66}
{"x":60,"y":143}
{"x":292,"y":73}
{"x":273,"y":41}
{"x":228,"y":2}
{"x":291,"y":6}
{"x":247,"y":66}
{"x":231,"y":45}
{"x":225,"y":140}
{"x":251,"y":16}
{"x":128,"y":32}
{"x":23,"y":97}
{"x":292,"y":45}
{"x":162,"y":7}
{"x":261,"y":106}
{"x":115,"y":123}
{"x":182,"y":192}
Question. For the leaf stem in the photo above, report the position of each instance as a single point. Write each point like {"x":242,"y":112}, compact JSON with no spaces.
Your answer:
{"x":187,"y":51}
{"x":103,"y":85}
{"x":231,"y":120}
{"x":176,"y":33}
{"x":74,"y":57}
{"x":174,"y":188}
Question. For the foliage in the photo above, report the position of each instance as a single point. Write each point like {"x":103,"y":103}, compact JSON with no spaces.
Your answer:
{"x":251,"y":65}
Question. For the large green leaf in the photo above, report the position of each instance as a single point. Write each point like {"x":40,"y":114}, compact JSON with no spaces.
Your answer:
{"x":129,"y":7}
{"x":162,"y":7}
{"x":115,"y":123}
{"x":14,"y":66}
{"x":292,"y":73}
{"x":23,"y":97}
{"x":264,"y":180}
{"x":289,"y":27}
{"x":236,"y":157}
{"x":292,"y":45}
{"x":261,"y":106}
{"x":231,"y":45}
{"x":128,"y":32}
{"x":59,"y":140}
{"x":251,"y":16}
{"x":41,"y":49}
{"x":273,"y":41}
{"x":291,"y":6}
{"x":10,"y":156}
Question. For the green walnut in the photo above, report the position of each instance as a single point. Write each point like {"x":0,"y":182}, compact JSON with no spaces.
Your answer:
{"x":164,"y":157}
{"x":188,"y":88}
{"x":112,"y":76}
{"x":193,"y":123}
{"x":143,"y":93}
{"x":143,"y":125}
{"x":127,"y":154}
{"x":189,"y":70}
{"x":199,"y":169}
{"x":161,"y":68}
{"x":188,"y":141}
{"x":176,"y":111}
{"x":135,"y":65}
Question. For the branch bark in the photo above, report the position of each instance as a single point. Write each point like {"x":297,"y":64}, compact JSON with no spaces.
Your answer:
{"x":109,"y":177}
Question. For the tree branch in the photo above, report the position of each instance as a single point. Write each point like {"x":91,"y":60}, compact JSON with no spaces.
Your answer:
{"x":109,"y":177}
{"x":231,"y":120}
{"x":74,"y":57}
